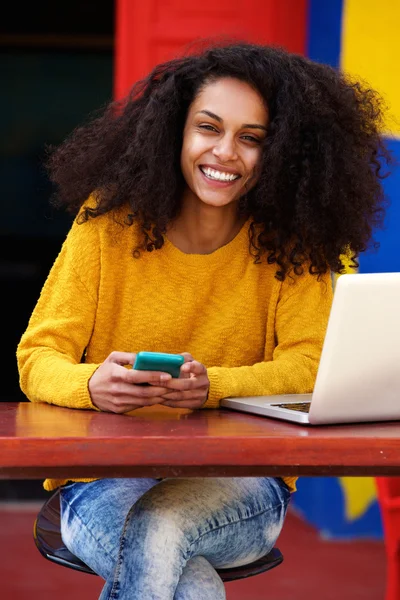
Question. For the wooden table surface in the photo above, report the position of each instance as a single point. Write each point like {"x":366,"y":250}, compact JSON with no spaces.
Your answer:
{"x":40,"y":440}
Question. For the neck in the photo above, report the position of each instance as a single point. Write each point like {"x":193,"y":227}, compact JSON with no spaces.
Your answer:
{"x":202,"y":229}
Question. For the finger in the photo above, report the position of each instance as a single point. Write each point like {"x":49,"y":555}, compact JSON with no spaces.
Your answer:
{"x":121,"y":389}
{"x":190,"y":383}
{"x":196,"y":394}
{"x":148,"y":391}
{"x":195,"y":367}
{"x":187,"y":356}
{"x":119,"y":375}
{"x":141,"y":402}
{"x":121,"y":358}
{"x":151,"y":377}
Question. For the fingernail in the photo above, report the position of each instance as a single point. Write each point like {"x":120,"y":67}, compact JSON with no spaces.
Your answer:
{"x":165,"y":377}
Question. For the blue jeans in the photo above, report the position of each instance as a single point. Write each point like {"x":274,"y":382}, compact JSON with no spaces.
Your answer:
{"x":163,"y":540}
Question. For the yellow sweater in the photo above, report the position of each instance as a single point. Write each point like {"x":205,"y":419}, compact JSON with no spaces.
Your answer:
{"x":254,"y":334}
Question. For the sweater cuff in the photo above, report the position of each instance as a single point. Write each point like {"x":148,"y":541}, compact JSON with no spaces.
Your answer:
{"x":84,"y":400}
{"x":219,"y":387}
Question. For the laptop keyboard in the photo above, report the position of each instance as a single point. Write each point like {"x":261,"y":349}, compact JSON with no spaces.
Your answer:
{"x":299,"y":406}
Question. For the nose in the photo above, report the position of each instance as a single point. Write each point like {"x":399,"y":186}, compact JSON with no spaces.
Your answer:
{"x":225,"y":149}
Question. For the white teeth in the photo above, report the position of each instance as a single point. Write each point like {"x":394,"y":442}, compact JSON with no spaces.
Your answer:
{"x":218,"y":175}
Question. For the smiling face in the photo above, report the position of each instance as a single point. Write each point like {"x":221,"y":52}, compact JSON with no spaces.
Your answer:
{"x":222,"y":140}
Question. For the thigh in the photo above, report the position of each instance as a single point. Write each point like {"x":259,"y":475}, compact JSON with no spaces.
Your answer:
{"x":93,"y":516}
{"x":229,"y":521}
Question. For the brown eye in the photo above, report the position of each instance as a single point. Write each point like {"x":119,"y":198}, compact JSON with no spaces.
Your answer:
{"x":208,"y":128}
{"x":250,"y":138}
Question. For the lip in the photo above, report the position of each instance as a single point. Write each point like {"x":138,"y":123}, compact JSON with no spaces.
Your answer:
{"x":215,"y":183}
{"x":220,"y":168}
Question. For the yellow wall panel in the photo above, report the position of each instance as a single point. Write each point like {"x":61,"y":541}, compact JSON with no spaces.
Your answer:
{"x":371,"y":50}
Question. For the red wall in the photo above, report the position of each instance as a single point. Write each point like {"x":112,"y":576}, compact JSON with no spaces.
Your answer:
{"x":152,"y":31}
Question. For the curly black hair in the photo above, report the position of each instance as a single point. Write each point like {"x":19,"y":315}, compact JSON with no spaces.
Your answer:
{"x":319,"y":194}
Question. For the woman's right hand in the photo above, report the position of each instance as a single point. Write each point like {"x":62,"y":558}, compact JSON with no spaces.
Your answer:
{"x":113,"y":388}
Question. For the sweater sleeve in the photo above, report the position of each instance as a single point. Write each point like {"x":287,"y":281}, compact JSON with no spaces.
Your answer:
{"x":50,"y":351}
{"x":299,"y":322}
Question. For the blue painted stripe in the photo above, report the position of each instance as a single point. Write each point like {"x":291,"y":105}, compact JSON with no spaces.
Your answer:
{"x":325,"y":31}
{"x":387,"y":257}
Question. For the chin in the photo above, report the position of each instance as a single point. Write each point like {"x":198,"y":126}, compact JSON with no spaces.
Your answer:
{"x":217,"y":203}
{"x":216,"y":199}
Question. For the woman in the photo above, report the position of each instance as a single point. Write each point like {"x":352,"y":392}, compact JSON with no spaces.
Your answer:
{"x":213,"y":205}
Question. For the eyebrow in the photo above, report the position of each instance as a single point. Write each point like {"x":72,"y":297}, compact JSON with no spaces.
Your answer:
{"x":220,"y":120}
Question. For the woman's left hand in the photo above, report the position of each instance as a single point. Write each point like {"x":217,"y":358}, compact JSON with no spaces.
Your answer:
{"x":191,"y":389}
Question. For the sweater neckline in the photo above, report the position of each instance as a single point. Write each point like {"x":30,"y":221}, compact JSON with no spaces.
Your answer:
{"x":218,"y":256}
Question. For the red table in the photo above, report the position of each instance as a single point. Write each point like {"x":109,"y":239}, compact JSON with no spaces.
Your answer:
{"x":40,"y":440}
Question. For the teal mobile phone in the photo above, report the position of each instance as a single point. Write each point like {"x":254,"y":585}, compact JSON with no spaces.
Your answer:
{"x":159,"y":361}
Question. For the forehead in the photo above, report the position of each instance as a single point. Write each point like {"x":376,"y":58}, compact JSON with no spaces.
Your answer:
{"x":228,"y":97}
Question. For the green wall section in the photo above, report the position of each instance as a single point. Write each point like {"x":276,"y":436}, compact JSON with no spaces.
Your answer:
{"x":45,"y":95}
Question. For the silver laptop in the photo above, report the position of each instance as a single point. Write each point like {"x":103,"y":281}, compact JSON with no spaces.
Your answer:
{"x":359,"y":372}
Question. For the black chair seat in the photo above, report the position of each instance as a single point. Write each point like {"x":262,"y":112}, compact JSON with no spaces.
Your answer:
{"x":47,"y":535}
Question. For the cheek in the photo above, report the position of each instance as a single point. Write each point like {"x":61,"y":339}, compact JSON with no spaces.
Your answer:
{"x":256,"y":160}
{"x":185,"y":160}
{"x":188,"y":158}
{"x":253,"y":163}
{"x":193,"y":148}
{"x":253,"y":166}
